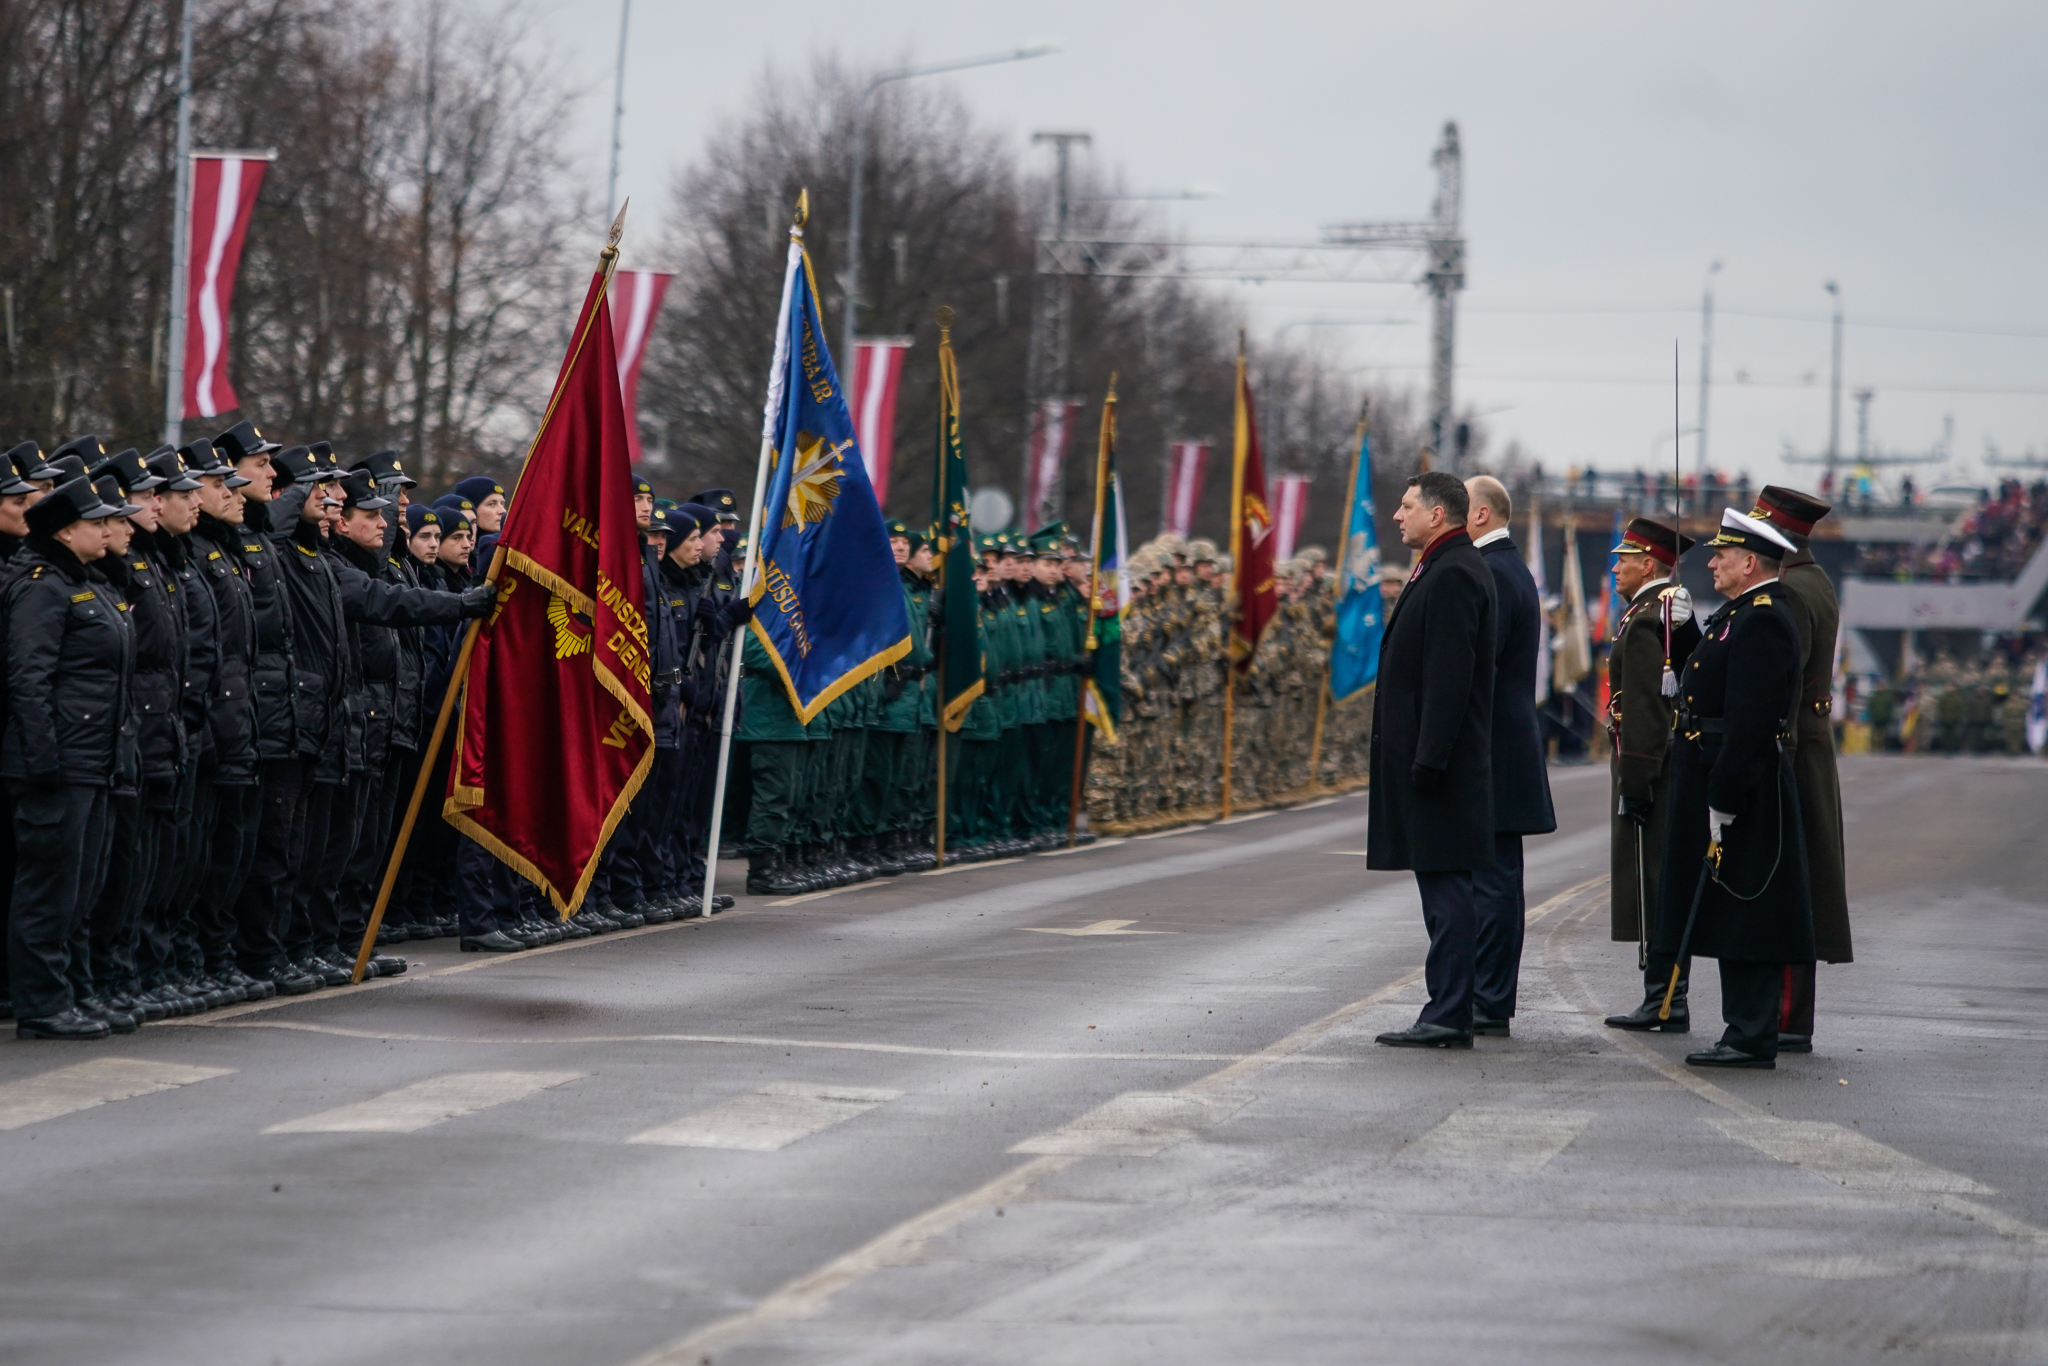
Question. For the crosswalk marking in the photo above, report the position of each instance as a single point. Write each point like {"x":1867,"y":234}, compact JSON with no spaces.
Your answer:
{"x":1844,"y":1156}
{"x":425,"y":1103}
{"x":1507,"y":1140}
{"x":68,"y":1089}
{"x":1136,"y":1124}
{"x":769,"y":1119}
{"x":1099,"y":927}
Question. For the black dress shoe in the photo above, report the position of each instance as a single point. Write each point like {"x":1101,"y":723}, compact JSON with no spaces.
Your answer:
{"x":571,"y":929}
{"x":97,"y":1008}
{"x":253,"y":988}
{"x":69,"y":1024}
{"x":1795,"y":1043}
{"x":494,"y":942}
{"x":1493,"y":1027}
{"x":1727,"y":1055}
{"x":1420,"y":1035}
{"x":1643,"y":1019}
{"x":147,"y":1010}
{"x":291,"y":981}
{"x":721,"y":901}
{"x":386,"y":965}
{"x":330,"y":973}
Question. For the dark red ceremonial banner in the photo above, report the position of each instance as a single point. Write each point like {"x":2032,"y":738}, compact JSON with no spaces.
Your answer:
{"x":1251,"y":534}
{"x":556,"y":736}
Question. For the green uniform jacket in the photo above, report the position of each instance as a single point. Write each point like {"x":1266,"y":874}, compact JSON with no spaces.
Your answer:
{"x":1641,"y":725}
{"x":984,"y":719}
{"x":1812,"y":597}
{"x":907,"y":676}
{"x":928,"y":686}
{"x":768,"y":715}
{"x":1060,"y":620}
{"x":1030,"y":634}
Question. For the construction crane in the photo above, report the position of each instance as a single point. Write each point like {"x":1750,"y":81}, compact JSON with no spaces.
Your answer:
{"x":1348,"y":253}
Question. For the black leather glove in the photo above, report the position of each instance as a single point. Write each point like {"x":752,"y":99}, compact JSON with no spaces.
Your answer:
{"x":476,"y":602}
{"x":1427,"y":779}
{"x":738,"y":613}
{"x":1636,"y":809}
{"x":892,"y":686}
{"x":690,"y":693}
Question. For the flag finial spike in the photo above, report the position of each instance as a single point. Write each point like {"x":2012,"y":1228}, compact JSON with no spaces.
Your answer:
{"x":944,"y":318}
{"x":1112,"y":387}
{"x":611,"y":241}
{"x":802,"y":214}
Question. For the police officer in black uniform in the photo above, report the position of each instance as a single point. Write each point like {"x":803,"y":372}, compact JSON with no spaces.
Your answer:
{"x":69,"y":648}
{"x":24,"y":477}
{"x":1735,"y":842}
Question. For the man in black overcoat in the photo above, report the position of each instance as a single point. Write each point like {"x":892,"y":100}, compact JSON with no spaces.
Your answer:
{"x":1521,"y":778}
{"x":1734,"y":802}
{"x":1432,"y":725}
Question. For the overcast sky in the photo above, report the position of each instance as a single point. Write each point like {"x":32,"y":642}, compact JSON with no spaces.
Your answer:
{"x":1612,"y":152}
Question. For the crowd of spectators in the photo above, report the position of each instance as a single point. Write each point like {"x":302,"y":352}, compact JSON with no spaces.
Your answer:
{"x":1992,"y":541}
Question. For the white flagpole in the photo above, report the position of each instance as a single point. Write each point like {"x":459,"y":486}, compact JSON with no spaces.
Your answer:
{"x":756,"y":525}
{"x":181,"y":243}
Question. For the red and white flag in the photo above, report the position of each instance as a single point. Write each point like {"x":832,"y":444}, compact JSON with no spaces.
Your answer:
{"x":1290,"y":505}
{"x":1187,"y":464}
{"x":636,"y":299}
{"x":877,"y":370}
{"x":223,"y":191}
{"x":1052,"y":426}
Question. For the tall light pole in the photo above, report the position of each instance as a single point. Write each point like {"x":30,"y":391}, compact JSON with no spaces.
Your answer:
{"x":1835,"y":391}
{"x":611,"y":183}
{"x":860,"y":164}
{"x":181,"y":245}
{"x":1706,"y":364}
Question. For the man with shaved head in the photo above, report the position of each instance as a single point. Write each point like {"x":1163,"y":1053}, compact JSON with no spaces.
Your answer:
{"x":1521,"y":786}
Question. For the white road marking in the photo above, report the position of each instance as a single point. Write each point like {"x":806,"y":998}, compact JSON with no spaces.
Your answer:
{"x":829,"y":891}
{"x":1247,"y":816}
{"x":425,"y":1103}
{"x":1176,"y":830}
{"x":769,"y":1119}
{"x":1350,"y":853}
{"x":1136,"y":1124}
{"x":1320,"y":801}
{"x":1844,"y":1156}
{"x":1099,"y":927}
{"x":808,"y":1294}
{"x":963,"y":867}
{"x":1110,"y":843}
{"x":48,"y":1095}
{"x":1506,"y":1140}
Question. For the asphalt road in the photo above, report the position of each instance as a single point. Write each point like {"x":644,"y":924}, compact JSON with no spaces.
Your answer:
{"x":1118,"y":1106}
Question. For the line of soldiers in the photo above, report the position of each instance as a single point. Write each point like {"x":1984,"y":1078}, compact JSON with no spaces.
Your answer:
{"x":852,"y":794}
{"x":217,"y":659}
{"x":1727,"y":806}
{"x":1167,"y":757}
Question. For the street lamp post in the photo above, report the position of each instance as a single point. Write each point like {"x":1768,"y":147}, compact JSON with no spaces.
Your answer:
{"x":860,"y":160}
{"x":1835,"y":389}
{"x":1706,"y":363}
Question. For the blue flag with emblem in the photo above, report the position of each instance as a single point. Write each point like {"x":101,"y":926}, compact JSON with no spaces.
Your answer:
{"x":828,"y":603}
{"x":1355,"y":653}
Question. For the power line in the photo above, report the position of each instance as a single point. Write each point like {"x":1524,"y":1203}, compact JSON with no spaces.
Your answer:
{"x":1758,"y":313}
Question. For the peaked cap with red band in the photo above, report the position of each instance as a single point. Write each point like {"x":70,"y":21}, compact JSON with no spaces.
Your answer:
{"x":1789,"y":509}
{"x":1659,"y":542}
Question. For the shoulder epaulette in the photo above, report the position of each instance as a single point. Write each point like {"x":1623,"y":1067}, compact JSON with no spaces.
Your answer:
{"x":1763,"y":600}
{"x":37,"y":572}
{"x":309,"y":554}
{"x":86,"y":596}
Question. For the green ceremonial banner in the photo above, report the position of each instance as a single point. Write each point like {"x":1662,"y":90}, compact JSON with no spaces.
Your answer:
{"x":1109,"y":586}
{"x":959,"y":629}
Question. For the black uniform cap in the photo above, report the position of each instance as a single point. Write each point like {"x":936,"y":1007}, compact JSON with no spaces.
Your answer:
{"x":129,"y":468}
{"x":385,"y":465}
{"x":1789,"y":509}
{"x":109,"y":490}
{"x":74,"y":500}
{"x":12,"y":481}
{"x":359,"y":490}
{"x":69,"y":467}
{"x":327,"y":460}
{"x":169,"y":466}
{"x":419,"y":515}
{"x":301,"y":466}
{"x":87,"y":450}
{"x":719,"y":501}
{"x":640,"y":485}
{"x":28,"y":461}
{"x":700,"y":518}
{"x":241,"y":441}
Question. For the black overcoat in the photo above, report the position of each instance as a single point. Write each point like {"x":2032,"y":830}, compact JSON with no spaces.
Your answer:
{"x":1432,"y":719}
{"x":1521,"y":777}
{"x":1732,"y":752}
{"x":1813,"y":757}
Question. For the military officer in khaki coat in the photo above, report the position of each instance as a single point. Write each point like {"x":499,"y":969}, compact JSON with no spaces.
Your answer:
{"x":1654,"y":638}
{"x":1811,"y":596}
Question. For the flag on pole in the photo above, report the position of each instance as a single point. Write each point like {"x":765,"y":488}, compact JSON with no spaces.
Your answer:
{"x":828,"y":603}
{"x":2037,"y":708}
{"x":959,"y":664}
{"x":1187,"y":465}
{"x":224,"y":186}
{"x":877,"y":369}
{"x":1290,"y":507}
{"x":1574,"y":647}
{"x":1612,"y":604}
{"x":1542,"y":599}
{"x":555,"y":734}
{"x":1109,"y":580}
{"x":1052,"y":426}
{"x":638,"y":295}
{"x":1355,"y":653}
{"x":1251,"y":532}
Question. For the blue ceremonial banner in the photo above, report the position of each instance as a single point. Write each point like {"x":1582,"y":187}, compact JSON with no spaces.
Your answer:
{"x":828,"y":603}
{"x":1355,"y":654}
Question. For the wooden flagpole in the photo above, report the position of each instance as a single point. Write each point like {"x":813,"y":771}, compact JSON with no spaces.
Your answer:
{"x":1242,"y":449}
{"x":1088,"y":607}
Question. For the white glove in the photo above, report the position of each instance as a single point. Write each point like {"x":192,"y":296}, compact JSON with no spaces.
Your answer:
{"x":1717,"y":821}
{"x":1678,"y":603}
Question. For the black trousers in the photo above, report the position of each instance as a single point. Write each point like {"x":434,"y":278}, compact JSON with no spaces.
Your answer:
{"x":334,"y":819}
{"x":115,"y":922}
{"x":1752,"y":995}
{"x":1449,"y":915}
{"x":1500,"y":908}
{"x":60,"y":859}
{"x":486,"y":891}
{"x":227,"y":851}
{"x":263,"y":912}
{"x":1796,"y":1007}
{"x":171,"y":935}
{"x":364,"y":876}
